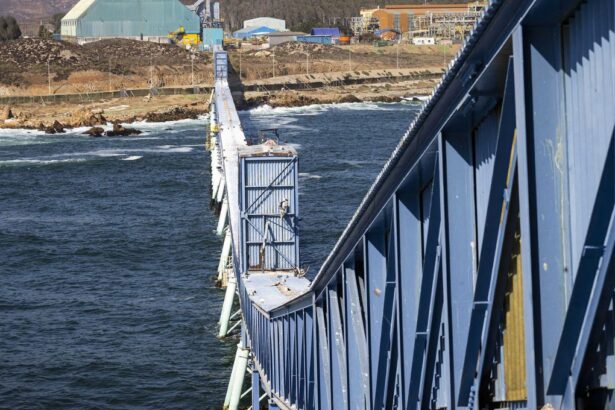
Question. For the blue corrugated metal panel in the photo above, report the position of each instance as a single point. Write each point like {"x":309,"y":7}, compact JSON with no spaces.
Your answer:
{"x":213,"y":36}
{"x":220,"y":64}
{"x":249,"y":32}
{"x":314,"y":39}
{"x":589,"y":85}
{"x":266,"y":184}
{"x":135,"y":18}
{"x":325,"y":31}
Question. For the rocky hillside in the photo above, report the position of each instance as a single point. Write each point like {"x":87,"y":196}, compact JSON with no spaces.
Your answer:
{"x":24,"y":57}
{"x":27,"y":10}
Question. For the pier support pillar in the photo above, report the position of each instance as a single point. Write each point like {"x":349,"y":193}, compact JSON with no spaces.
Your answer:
{"x":242,"y":363}
{"x":255,"y":389}
{"x":235,"y":386}
{"x":215,"y":184}
{"x":221,"y":188}
{"x":222,"y":220}
{"x":229,"y":388}
{"x":226,"y":252}
{"x":227,"y":306}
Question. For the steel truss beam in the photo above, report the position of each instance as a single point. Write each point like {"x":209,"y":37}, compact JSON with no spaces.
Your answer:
{"x":416,"y":308}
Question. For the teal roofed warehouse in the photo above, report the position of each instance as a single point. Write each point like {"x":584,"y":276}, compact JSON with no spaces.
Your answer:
{"x":151,"y":20}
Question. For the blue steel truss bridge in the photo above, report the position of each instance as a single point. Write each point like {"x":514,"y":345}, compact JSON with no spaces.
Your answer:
{"x":479,"y":270}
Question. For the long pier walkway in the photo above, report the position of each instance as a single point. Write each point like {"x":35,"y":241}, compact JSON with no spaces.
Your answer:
{"x":479,"y":270}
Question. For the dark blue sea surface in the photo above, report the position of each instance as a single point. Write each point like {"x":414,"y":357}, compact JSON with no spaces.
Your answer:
{"x":107,"y":253}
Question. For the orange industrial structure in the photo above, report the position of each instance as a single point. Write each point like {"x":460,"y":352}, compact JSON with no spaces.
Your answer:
{"x":424,"y":18}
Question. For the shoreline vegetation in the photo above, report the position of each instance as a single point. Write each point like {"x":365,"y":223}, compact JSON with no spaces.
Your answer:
{"x":277,"y":77}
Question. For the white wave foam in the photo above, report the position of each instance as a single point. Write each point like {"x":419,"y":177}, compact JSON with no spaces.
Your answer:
{"x":184,"y":124}
{"x":307,"y":175}
{"x":132,"y":158}
{"x":315,"y":109}
{"x":33,"y":161}
{"x":171,"y":148}
{"x":120,"y":152}
{"x":416,"y":98}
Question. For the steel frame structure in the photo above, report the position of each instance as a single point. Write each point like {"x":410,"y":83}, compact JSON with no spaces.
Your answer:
{"x":479,"y":270}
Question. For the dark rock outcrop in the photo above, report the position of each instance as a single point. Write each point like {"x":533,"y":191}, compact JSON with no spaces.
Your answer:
{"x":55,"y":128}
{"x":6,"y":113}
{"x":95,"y":132}
{"x":121,"y":131}
{"x":348,"y":98}
{"x":177,"y":113}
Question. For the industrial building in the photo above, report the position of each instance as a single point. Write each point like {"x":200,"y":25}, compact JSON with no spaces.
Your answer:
{"x":442,"y":21}
{"x":316,"y":39}
{"x":332,"y":32}
{"x":283,"y":37}
{"x":149,"y":20}
{"x":273,"y":23}
{"x":212,"y":37}
{"x":251,"y":32}
{"x":207,"y":10}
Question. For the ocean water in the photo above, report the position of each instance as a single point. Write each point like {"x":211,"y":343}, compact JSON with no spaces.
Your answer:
{"x":108,"y":253}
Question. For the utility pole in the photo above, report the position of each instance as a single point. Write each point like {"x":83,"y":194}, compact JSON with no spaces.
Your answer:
{"x":349,"y":59}
{"x":192,"y":60}
{"x":151,"y":72}
{"x":110,"y":74}
{"x":273,"y":64}
{"x":49,"y":76}
{"x":240,"y":63}
{"x":307,"y":65}
{"x":398,"y":54}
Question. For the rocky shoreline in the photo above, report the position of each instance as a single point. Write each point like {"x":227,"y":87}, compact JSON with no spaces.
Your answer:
{"x":95,"y":119}
{"x":301,"y":100}
{"x":77,"y":116}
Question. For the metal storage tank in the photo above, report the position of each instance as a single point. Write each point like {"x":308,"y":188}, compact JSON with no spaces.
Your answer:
{"x":151,"y":20}
{"x":269,"y":207}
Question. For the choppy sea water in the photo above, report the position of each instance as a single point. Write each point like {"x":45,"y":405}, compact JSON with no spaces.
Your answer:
{"x":108,"y":253}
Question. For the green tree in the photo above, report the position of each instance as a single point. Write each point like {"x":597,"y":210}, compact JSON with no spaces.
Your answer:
{"x":56,"y":20}
{"x":43,"y":32}
{"x":9,"y":29}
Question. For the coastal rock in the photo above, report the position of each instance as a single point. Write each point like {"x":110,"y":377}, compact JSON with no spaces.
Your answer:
{"x":55,"y":128}
{"x":58,"y":127}
{"x":120,"y":131}
{"x":95,"y":132}
{"x":87,"y":118}
{"x":6,"y":113}
{"x":292,"y":100}
{"x":386,"y":99}
{"x":177,"y":113}
{"x":348,"y":98}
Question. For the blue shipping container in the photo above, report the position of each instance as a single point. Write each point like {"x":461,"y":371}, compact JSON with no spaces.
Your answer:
{"x":314,"y":39}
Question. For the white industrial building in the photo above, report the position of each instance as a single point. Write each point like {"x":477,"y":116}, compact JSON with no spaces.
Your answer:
{"x":276,"y":24}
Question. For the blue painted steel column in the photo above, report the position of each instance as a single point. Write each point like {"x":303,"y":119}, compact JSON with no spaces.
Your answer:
{"x":534,"y":389}
{"x":543,"y":195}
{"x":460,"y":237}
{"x":256,"y":384}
